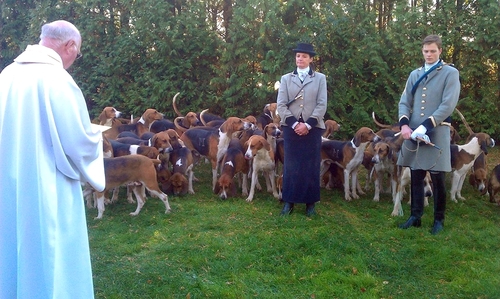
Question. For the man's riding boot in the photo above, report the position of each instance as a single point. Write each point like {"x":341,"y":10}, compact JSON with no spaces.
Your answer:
{"x":439,"y":194}
{"x":417,"y":199}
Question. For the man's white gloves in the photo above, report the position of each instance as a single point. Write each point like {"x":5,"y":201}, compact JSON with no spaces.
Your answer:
{"x":419,"y":133}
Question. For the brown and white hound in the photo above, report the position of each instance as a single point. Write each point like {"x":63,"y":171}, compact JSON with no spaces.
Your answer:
{"x":384,"y":159}
{"x":383,"y":156}
{"x":331,"y":127}
{"x":404,"y":178}
{"x":259,"y":151}
{"x":109,"y":117}
{"x":162,"y":141}
{"x":494,"y":184}
{"x":122,"y":149}
{"x":462,"y":160}
{"x":131,"y":169}
{"x":478,"y":178}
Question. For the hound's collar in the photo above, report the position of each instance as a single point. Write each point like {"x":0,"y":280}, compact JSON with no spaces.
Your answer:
{"x":352,"y":143}
{"x":141,"y":120}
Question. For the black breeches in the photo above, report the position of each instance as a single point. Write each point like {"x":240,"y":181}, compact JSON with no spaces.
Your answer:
{"x":439,"y":194}
{"x":418,"y":193}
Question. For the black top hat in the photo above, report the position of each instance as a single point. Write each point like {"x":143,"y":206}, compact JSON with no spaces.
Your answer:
{"x":305,"y":48}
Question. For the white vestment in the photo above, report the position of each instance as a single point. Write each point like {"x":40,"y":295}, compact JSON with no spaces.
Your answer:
{"x":47,"y":148}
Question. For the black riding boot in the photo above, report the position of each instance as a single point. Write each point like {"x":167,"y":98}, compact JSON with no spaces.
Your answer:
{"x":287,"y":209}
{"x":310,"y":211}
{"x":417,"y":199}
{"x":439,"y":194}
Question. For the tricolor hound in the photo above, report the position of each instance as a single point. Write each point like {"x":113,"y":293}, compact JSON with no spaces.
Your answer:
{"x":233,"y":163}
{"x":348,"y":155}
{"x":212,"y":142}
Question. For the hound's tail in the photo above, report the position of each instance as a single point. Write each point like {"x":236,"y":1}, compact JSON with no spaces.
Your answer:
{"x":465,"y":122}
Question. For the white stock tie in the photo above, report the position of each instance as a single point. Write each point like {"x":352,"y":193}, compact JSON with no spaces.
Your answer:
{"x":302,"y":76}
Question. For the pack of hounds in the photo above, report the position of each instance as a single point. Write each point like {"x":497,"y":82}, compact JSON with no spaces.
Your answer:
{"x":159,"y":155}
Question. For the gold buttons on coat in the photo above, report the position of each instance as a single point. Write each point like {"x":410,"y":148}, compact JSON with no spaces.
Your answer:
{"x":301,"y":106}
{"x":421,"y":114}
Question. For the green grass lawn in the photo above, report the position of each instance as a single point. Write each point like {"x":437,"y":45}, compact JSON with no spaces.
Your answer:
{"x":210,"y":248}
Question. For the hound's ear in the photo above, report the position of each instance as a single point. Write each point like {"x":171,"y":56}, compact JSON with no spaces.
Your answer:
{"x":484,"y":147}
{"x":266,"y":145}
{"x":356,"y":140}
{"x":153,"y":140}
{"x":217,"y":188}
{"x":232,"y":189}
{"x":265,"y":131}
{"x":102,"y":118}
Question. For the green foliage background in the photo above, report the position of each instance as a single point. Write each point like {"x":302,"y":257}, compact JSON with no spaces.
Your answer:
{"x":226,"y":55}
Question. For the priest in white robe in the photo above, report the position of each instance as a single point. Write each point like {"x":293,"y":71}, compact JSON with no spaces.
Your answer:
{"x":47,"y":150}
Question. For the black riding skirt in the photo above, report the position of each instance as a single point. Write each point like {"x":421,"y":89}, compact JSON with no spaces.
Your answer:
{"x":301,"y":182}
